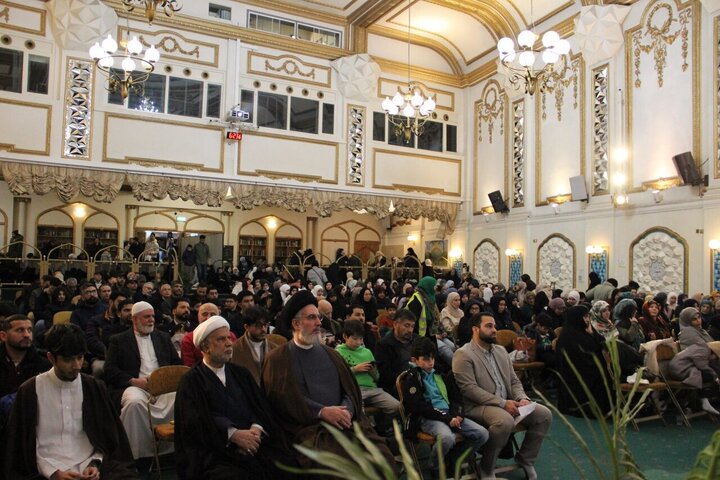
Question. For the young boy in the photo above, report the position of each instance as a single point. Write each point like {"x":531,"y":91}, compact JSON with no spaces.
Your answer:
{"x":385,"y":321}
{"x":541,"y":331}
{"x":434,"y":406}
{"x":362,"y":364}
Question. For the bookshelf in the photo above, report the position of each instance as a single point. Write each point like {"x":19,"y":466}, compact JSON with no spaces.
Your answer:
{"x":252,"y":247}
{"x":107,"y":236}
{"x":56,"y":233}
{"x":284,"y":247}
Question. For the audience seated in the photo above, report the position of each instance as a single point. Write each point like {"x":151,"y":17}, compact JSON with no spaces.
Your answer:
{"x":63,"y":425}
{"x":131,"y":357}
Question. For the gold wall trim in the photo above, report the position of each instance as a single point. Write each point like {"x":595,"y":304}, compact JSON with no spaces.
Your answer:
{"x":696,"y":13}
{"x":429,"y":43}
{"x":168,"y":44}
{"x":372,"y":11}
{"x":275,"y":174}
{"x":551,"y":14}
{"x":296,"y":62}
{"x":541,"y":200}
{"x":152,"y":162}
{"x":414,"y":188}
{"x":7,"y":12}
{"x":671,"y":233}
{"x":9,"y":147}
{"x":233,"y":32}
{"x":483,"y":72}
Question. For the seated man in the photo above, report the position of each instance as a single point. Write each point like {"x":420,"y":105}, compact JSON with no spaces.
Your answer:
{"x":492,"y":394}
{"x":308,"y":383}
{"x":132,"y":356}
{"x":19,"y":360}
{"x":224,"y":429}
{"x":434,"y":404}
{"x":190,"y":354}
{"x":392,"y":352}
{"x":250,"y":350}
{"x":63,"y":425}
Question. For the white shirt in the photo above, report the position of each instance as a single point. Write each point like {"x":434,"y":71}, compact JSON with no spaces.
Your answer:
{"x":62,"y":444}
{"x":148,"y":359}
{"x":257,"y":349}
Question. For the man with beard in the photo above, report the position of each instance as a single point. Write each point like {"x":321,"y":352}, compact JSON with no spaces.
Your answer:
{"x":308,"y":383}
{"x":224,"y":428}
{"x":231,"y":313}
{"x":19,"y":360}
{"x":393,"y":351}
{"x":115,"y":320}
{"x":250,"y":350}
{"x":131,"y":358}
{"x":190,"y":354}
{"x":178,"y":323}
{"x":492,"y":395}
{"x":88,"y":307}
{"x":63,"y":425}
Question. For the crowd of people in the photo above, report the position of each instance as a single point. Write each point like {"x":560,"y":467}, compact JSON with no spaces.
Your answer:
{"x":273,"y":357}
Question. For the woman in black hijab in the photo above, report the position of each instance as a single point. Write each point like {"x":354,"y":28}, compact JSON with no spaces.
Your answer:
{"x":583,"y":347}
{"x":503,"y":320}
{"x":473,"y":307}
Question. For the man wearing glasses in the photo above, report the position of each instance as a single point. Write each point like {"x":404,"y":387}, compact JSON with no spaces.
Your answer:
{"x":88,"y":306}
{"x":250,"y":349}
{"x":308,"y":383}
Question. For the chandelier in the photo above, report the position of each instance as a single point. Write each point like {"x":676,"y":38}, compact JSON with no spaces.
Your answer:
{"x":528,"y":66}
{"x":412,"y":102}
{"x":168,"y":6}
{"x":134,"y":68}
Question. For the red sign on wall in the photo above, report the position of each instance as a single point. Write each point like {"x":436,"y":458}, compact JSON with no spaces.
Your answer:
{"x":234,"y":136}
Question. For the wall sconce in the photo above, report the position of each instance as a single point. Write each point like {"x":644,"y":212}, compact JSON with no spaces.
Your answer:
{"x":620,"y":199}
{"x":79,"y":211}
{"x":715,"y":256}
{"x":657,"y":186}
{"x":412,"y":238}
{"x":272,"y":223}
{"x":598,"y":260}
{"x":515,"y":265}
{"x":486,"y":212}
{"x":556,"y":200}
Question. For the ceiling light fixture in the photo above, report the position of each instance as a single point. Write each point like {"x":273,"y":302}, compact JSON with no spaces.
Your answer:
{"x":411,"y":102}
{"x":169,"y":7}
{"x":527,"y":66}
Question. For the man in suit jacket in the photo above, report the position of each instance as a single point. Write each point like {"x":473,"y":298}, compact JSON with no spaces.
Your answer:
{"x":492,"y":395}
{"x":250,"y":349}
{"x":131,"y":358}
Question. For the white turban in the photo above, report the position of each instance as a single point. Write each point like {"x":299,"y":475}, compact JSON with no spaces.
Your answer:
{"x":141,"y":307}
{"x":203,"y":330}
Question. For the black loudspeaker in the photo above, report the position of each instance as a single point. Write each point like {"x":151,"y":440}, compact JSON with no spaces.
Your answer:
{"x":497,"y":201}
{"x":686,"y":168}
{"x":577,"y":189}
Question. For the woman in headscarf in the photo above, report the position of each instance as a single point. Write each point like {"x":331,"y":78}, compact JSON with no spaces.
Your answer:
{"x":707,"y":311}
{"x":473,"y":307}
{"x":691,"y":331}
{"x":487,"y":295}
{"x":318,"y":292}
{"x":541,"y":302}
{"x":516,"y":315}
{"x":600,"y":318}
{"x":503,"y":320}
{"x":520,"y":290}
{"x":527,"y":309}
{"x":580,"y":346}
{"x":423,"y":304}
{"x":367,"y":300}
{"x":672,"y":303}
{"x":629,"y":330}
{"x":450,"y":315}
{"x":653,"y":325}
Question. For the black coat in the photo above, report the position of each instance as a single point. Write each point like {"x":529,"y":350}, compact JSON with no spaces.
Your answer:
{"x":418,"y":407}
{"x":122,"y":360}
{"x":392,"y":359}
{"x":32,"y":365}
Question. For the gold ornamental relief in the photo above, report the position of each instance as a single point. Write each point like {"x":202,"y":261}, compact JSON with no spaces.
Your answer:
{"x":660,"y":30}
{"x":490,"y":108}
{"x":558,"y":82}
{"x":171,"y":45}
{"x":291,"y":68}
{"x":5,"y":13}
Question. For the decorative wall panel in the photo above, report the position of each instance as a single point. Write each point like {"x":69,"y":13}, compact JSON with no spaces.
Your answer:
{"x":32,"y":135}
{"x":515,"y":269}
{"x":486,"y":262}
{"x":716,"y":270}
{"x":289,"y":67}
{"x":490,"y":110}
{"x":356,"y":145}
{"x":518,"y":153}
{"x":600,"y":76}
{"x":662,"y":61}
{"x":77,"y":126}
{"x":430,"y":174}
{"x":658,"y":261}
{"x":556,"y":262}
{"x":598,"y":263}
{"x":22,"y":18}
{"x":174,"y":46}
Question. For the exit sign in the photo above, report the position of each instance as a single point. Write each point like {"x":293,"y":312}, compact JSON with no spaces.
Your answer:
{"x":234,"y":135}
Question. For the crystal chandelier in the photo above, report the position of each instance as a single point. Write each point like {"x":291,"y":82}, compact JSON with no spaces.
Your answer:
{"x":134,"y":70}
{"x":168,"y":6}
{"x":412,"y":102}
{"x":530,"y":67}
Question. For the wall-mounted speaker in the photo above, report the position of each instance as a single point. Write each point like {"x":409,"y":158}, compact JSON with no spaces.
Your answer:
{"x":577,"y":189}
{"x":497,"y":201}
{"x":687,"y":169}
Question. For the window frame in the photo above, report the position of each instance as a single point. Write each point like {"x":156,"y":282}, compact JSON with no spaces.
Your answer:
{"x":323,"y":30}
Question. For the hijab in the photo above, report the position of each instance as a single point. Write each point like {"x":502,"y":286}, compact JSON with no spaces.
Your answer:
{"x":606,"y":328}
{"x":426,"y":286}
{"x":449,"y":310}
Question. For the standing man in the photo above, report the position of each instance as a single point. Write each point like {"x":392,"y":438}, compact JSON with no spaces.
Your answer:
{"x":202,"y":254}
{"x":131,"y":358}
{"x":492,"y":395}
{"x":16,"y":250}
{"x":63,"y":425}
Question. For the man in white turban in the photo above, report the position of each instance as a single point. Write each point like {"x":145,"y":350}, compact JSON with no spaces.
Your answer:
{"x":132,"y":356}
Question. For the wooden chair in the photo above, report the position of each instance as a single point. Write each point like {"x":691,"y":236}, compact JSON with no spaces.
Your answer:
{"x":163,"y":380}
{"x":505,"y":338}
{"x":62,"y":318}
{"x":423,"y":437}
{"x":517,"y":328}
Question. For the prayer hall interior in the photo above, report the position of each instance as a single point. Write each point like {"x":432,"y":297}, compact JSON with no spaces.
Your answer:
{"x":414,"y":135}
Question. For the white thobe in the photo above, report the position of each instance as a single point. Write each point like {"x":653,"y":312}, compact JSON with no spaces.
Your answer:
{"x":62,"y":443}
